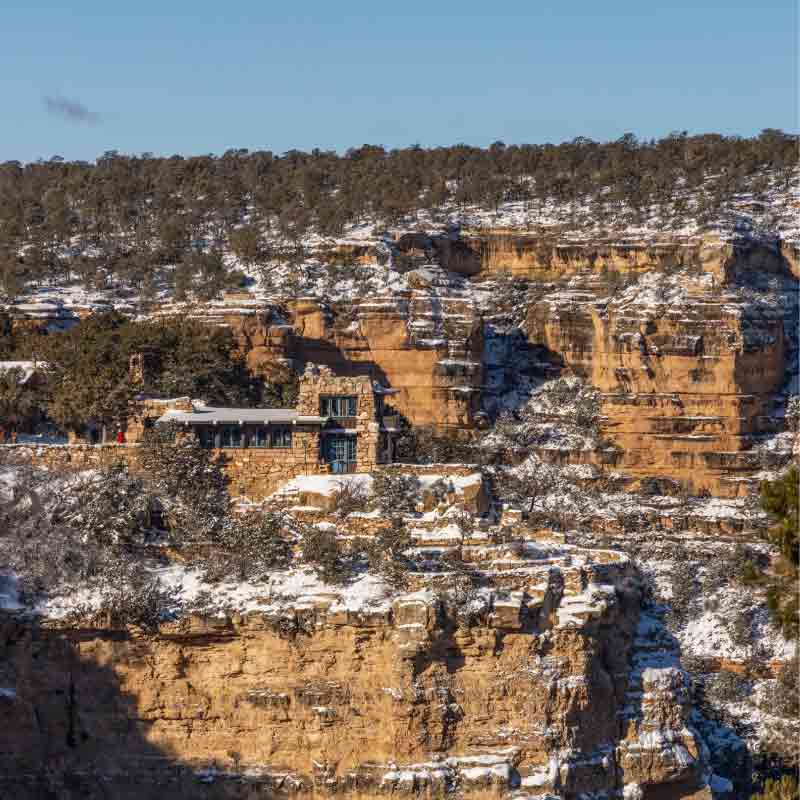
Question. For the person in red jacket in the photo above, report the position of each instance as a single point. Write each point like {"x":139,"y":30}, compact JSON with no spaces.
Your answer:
{"x":120,"y":436}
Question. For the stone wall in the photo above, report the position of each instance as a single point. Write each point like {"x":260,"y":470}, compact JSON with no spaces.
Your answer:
{"x":320,"y":381}
{"x":255,"y":472}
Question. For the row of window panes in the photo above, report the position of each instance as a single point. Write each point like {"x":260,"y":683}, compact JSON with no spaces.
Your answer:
{"x":231,"y":436}
{"x":337,"y":406}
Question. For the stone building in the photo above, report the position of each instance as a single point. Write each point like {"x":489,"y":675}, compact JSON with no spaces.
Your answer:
{"x":338,"y":426}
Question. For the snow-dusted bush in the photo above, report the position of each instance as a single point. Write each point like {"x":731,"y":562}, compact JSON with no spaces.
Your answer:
{"x":250,"y":546}
{"x":721,"y":690}
{"x":130,"y":595}
{"x":463,"y":519}
{"x":114,"y":507}
{"x":349,"y":497}
{"x":190,"y":482}
{"x":37,"y":542}
{"x":395,"y":492}
{"x":386,"y":552}
{"x":563,"y":413}
{"x":526,"y":486}
{"x":322,"y":551}
{"x":793,"y":412}
{"x":52,"y":538}
{"x":685,"y":592}
{"x":458,"y":594}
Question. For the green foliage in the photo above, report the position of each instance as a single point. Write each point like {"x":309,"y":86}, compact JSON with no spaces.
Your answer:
{"x":395,"y":492}
{"x":245,"y":243}
{"x":385,"y":552}
{"x":19,"y":402}
{"x":424,"y":444}
{"x":323,"y":552}
{"x":194,"y":360}
{"x":169,"y":208}
{"x":89,"y":375}
{"x":281,"y":394}
{"x":780,"y":499}
{"x":251,"y":545}
{"x":749,"y":573}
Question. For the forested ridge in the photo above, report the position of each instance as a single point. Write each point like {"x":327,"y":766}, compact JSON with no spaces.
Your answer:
{"x":133,"y":213}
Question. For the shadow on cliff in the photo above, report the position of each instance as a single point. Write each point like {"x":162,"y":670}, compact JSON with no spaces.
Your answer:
{"x":71,"y":731}
{"x":323,"y":351}
{"x":513,"y":368}
{"x":729,"y":757}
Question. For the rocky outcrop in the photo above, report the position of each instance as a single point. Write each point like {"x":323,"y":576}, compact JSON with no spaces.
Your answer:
{"x":534,"y":686}
{"x":689,"y":338}
{"x":688,"y":370}
{"x":543,"y":256}
{"x":425,"y":342}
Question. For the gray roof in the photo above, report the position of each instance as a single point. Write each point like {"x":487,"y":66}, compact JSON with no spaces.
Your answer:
{"x":211,"y":415}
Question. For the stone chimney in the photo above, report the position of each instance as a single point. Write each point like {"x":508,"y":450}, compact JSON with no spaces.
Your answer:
{"x":143,"y":366}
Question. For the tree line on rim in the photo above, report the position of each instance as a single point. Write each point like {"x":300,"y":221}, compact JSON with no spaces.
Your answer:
{"x":126,"y":217}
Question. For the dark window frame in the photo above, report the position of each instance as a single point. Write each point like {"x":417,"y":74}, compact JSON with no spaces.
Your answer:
{"x":332,"y":405}
{"x":346,"y":459}
{"x":280,"y":437}
{"x":226,"y":430}
{"x":271,"y":437}
{"x":205,"y":437}
{"x":260,"y":438}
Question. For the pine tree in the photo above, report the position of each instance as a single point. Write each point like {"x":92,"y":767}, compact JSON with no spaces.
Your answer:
{"x":19,"y":402}
{"x":780,"y":499}
{"x":190,"y":482}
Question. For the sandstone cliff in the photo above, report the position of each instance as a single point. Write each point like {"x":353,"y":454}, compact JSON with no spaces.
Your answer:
{"x":548,"y":682}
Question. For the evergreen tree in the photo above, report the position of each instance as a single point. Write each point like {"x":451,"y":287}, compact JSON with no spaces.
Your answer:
{"x":190,"y":482}
{"x":19,"y":402}
{"x":89,"y":379}
{"x":780,"y":499}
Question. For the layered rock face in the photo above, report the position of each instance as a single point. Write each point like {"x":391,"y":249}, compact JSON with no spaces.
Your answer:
{"x":548,"y":683}
{"x":425,"y":342}
{"x":537,"y":256}
{"x":688,"y":368}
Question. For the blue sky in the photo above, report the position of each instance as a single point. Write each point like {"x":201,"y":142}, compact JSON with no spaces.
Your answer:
{"x":178,"y":77}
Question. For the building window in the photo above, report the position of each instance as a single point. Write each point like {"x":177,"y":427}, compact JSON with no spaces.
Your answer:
{"x":206,"y":438}
{"x":231,"y":436}
{"x":281,"y":437}
{"x":260,"y":438}
{"x":344,"y":406}
{"x":271,"y":437}
{"x":340,"y":453}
